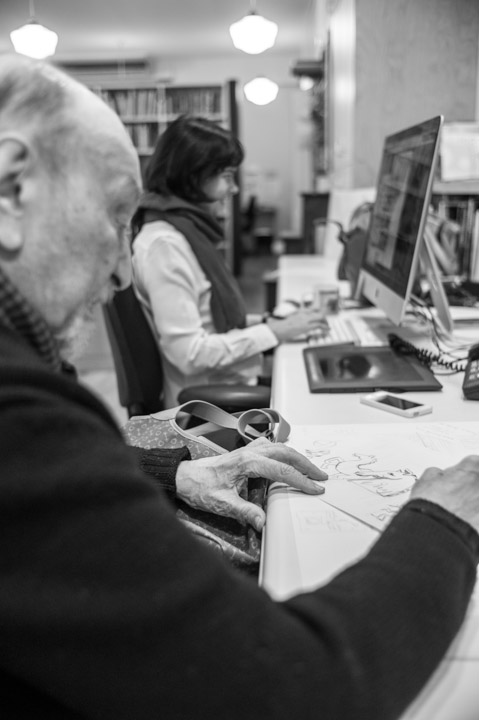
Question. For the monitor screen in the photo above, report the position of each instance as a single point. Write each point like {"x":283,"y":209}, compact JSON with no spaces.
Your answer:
{"x":398,"y":218}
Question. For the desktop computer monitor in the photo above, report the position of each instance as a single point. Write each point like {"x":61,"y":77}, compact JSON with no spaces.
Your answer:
{"x":396,"y":241}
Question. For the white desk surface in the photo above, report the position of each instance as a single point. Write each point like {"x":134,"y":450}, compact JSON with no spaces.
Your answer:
{"x":291,"y":397}
{"x":290,"y":391}
{"x":452,"y":693}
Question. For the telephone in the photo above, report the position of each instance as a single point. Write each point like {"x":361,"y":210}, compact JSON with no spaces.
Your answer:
{"x":470,"y":384}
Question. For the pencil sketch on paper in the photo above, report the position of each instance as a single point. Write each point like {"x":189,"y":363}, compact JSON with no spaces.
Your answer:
{"x":361,"y":470}
{"x":319,"y":448}
{"x":311,"y":522}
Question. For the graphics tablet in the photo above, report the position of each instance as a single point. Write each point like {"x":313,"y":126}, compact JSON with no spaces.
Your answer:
{"x":358,"y":369}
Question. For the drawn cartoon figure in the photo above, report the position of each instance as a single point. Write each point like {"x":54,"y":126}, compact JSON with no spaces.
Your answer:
{"x":386,"y":483}
{"x":319,"y":449}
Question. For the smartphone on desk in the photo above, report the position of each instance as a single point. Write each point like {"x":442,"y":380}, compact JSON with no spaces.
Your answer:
{"x":396,"y":404}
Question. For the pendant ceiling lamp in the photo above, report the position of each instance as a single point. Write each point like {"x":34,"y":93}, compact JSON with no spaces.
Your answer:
{"x":261,"y":91}
{"x":34,"y":39}
{"x":253,"y":34}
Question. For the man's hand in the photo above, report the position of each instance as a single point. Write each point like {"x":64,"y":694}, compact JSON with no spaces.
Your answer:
{"x":456,"y":489}
{"x":215,"y":483}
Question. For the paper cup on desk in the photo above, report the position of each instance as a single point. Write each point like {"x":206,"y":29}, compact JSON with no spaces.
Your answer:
{"x":309,"y":300}
{"x":327,"y":299}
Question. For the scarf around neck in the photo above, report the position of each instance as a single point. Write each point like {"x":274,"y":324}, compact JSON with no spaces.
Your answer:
{"x":203,"y":233}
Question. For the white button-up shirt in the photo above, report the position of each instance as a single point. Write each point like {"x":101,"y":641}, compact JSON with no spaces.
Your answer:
{"x":176,"y":296}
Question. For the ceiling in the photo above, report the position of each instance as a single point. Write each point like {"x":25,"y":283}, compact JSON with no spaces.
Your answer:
{"x":116,"y":29}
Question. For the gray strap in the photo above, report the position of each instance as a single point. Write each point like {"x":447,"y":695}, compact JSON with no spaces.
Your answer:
{"x":278,"y":429}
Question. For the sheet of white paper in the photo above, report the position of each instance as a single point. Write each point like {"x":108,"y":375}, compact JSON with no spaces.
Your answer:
{"x":320,"y":541}
{"x":460,"y":151}
{"x":371,"y":469}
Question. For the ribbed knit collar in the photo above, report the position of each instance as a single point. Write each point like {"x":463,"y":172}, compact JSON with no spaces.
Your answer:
{"x":18,"y":315}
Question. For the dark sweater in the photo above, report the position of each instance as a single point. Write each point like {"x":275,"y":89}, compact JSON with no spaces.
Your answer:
{"x":109,"y":609}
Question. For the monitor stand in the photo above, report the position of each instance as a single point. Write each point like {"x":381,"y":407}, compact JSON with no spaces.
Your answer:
{"x":430,"y":269}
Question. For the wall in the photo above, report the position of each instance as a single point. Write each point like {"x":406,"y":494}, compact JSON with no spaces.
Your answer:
{"x":414,"y":60}
{"x":406,"y":61}
{"x":341,"y":64}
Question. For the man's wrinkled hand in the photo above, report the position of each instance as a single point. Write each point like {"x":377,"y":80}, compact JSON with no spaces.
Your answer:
{"x":216,"y":483}
{"x":455,"y":488}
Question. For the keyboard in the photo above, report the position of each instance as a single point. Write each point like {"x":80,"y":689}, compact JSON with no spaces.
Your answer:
{"x":340,"y":332}
{"x":349,"y":331}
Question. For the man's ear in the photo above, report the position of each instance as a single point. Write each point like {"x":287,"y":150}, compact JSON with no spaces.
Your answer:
{"x":14,"y":157}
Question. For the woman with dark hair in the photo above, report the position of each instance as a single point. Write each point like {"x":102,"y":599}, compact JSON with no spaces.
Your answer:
{"x":191,"y":298}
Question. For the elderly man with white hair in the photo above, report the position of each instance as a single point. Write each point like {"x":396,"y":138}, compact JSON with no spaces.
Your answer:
{"x":109,"y":607}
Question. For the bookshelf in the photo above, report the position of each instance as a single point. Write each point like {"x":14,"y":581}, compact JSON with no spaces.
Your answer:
{"x":146,"y":108}
{"x":459,"y":201}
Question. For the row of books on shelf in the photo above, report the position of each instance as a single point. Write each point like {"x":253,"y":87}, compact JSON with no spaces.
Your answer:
{"x":462,"y":212}
{"x":458,"y":240}
{"x":131,"y":102}
{"x":196,"y":101}
{"x":143,"y":135}
{"x":162,"y":102}
{"x":474,"y":272}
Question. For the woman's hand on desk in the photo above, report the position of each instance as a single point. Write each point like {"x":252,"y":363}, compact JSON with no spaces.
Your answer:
{"x":215,"y":483}
{"x":456,"y":489}
{"x":298,"y":323}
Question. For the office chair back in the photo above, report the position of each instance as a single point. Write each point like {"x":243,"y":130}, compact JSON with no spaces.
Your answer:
{"x":139,"y":370}
{"x":136,"y":355}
